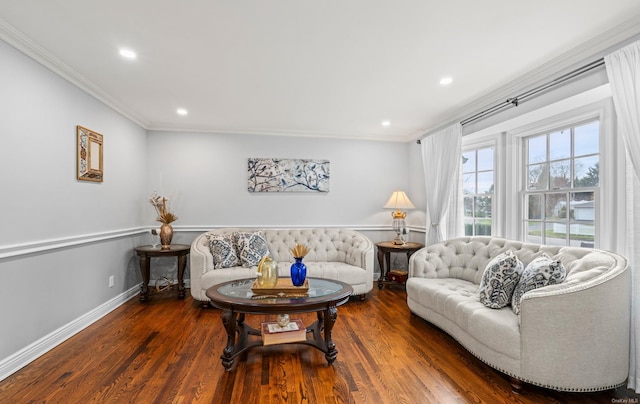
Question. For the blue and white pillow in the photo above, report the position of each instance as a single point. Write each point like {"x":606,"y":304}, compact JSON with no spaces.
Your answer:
{"x":499,"y":280}
{"x":542,"y":271}
{"x":223,"y":249}
{"x":252,"y":247}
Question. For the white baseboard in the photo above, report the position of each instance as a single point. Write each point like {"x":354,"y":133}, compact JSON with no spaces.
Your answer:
{"x":20,"y":359}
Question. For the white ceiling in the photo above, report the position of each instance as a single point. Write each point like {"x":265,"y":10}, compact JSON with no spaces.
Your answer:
{"x":334,"y":68}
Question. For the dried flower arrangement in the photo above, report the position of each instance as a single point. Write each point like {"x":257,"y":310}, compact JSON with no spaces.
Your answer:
{"x":160,"y":204}
{"x":299,"y":251}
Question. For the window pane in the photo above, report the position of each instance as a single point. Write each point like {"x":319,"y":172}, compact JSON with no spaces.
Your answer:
{"x":485,"y":182}
{"x":534,"y":207}
{"x":555,"y":233}
{"x":556,"y":206}
{"x":587,"y":139}
{"x":532,"y":232}
{"x":537,"y":147}
{"x":485,"y":159}
{"x":468,"y":161}
{"x":583,"y":206}
{"x":468,"y":206}
{"x":587,"y":171}
{"x":582,"y":234}
{"x":560,"y":174}
{"x":483,"y":206}
{"x":560,"y":145}
{"x":469,"y":183}
{"x":537,"y":177}
{"x":483,"y":227}
{"x":468,"y":227}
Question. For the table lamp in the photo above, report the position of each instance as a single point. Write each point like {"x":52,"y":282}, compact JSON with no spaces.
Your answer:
{"x":399,"y":200}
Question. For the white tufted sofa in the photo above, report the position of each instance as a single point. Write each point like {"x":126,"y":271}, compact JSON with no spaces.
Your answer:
{"x":572,"y":336}
{"x":340,"y":254}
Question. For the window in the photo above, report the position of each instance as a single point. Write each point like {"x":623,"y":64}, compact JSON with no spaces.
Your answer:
{"x":562,"y":180}
{"x":478,"y":190}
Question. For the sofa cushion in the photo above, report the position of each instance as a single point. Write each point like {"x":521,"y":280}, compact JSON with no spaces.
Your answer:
{"x":542,"y":271}
{"x":499,"y":280}
{"x":252,"y":247}
{"x":223,"y":250}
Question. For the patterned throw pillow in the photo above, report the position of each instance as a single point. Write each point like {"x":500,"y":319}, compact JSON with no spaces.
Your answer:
{"x":252,"y":247}
{"x":499,"y":280}
{"x":540,"y":272}
{"x":223,"y":250}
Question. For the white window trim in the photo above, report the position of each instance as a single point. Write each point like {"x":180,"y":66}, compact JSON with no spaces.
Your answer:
{"x":609,"y":215}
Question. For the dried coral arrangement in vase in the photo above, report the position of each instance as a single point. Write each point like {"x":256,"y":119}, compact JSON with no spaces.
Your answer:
{"x":160,"y":203}
{"x":298,"y":268}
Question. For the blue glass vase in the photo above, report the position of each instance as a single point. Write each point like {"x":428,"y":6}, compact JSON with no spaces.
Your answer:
{"x":298,"y":272}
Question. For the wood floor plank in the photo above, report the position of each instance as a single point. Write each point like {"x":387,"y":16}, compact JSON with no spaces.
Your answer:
{"x":168,"y":351}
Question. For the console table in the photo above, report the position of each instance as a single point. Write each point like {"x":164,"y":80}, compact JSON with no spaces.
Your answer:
{"x":175,"y":250}
{"x":385,"y":248}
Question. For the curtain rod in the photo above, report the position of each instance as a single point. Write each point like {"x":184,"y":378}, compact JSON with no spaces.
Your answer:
{"x":534,"y":91}
{"x":530,"y":93}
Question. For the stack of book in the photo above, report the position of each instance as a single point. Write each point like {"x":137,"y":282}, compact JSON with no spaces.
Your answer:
{"x":272,"y":333}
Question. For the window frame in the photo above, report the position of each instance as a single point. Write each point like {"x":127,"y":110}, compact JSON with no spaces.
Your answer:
{"x":495,"y":141}
{"x":549,"y":190}
{"x":611,"y":189}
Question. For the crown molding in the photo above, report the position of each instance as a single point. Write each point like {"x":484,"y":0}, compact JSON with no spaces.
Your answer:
{"x":36,"y":52}
{"x":588,"y":51}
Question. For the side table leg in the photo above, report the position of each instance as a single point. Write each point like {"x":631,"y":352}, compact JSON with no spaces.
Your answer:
{"x":381,"y":264}
{"x":182,"y":262}
{"x":229,"y":321}
{"x":329,"y":320}
{"x":145,"y":268}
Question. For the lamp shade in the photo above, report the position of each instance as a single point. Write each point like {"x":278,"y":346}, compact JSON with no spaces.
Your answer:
{"x":399,"y":200}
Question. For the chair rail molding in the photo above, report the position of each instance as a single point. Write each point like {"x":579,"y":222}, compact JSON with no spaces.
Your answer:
{"x":13,"y":250}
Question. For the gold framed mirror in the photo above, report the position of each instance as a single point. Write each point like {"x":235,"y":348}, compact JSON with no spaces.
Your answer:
{"x":89,"y":159}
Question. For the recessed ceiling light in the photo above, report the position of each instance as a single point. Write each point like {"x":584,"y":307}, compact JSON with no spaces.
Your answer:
{"x":445,"y":81}
{"x":386,"y":123}
{"x":128,"y":54}
{"x":182,"y":111}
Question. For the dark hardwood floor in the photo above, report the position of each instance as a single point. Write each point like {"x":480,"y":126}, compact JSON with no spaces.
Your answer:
{"x":168,"y":351}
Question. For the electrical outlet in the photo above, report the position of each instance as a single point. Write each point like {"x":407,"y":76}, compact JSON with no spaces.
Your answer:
{"x":112,"y":281}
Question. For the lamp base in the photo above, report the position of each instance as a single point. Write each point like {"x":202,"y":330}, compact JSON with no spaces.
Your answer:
{"x":399,"y":240}
{"x":401,"y":231}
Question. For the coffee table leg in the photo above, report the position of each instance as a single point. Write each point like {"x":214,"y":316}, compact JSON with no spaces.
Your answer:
{"x":330,"y":316}
{"x":229,"y":321}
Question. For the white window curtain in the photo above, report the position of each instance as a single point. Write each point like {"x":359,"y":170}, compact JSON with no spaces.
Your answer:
{"x":441,"y":156}
{"x":623,"y":70}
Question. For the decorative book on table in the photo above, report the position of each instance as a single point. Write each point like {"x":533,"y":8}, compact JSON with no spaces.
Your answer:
{"x":272,"y":333}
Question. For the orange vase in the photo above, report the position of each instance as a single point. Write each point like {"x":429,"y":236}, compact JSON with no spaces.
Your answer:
{"x":166,"y":234}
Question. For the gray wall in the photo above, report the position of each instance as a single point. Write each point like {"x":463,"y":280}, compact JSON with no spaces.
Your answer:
{"x":62,"y":239}
{"x":206,"y":176}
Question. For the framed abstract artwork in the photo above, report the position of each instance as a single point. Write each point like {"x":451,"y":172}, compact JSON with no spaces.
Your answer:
{"x":287,"y":175}
{"x":89,"y":155}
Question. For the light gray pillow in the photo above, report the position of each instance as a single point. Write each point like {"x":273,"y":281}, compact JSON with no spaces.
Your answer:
{"x":499,"y":280}
{"x":542,"y":271}
{"x":223,"y":249}
{"x":252,"y":247}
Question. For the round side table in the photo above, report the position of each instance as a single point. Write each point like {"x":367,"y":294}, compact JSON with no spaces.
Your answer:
{"x":385,"y":248}
{"x":175,"y":250}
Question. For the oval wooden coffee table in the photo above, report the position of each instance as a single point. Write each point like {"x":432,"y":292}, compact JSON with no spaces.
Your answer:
{"x":236,"y":299}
